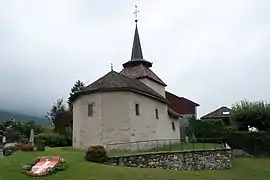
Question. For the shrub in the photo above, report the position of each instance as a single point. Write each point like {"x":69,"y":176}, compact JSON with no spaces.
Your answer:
{"x":254,"y":114}
{"x":27,"y":147}
{"x":96,"y":154}
{"x":53,"y":139}
{"x":40,"y":145}
{"x":255,"y":143}
{"x":206,"y":130}
{"x":23,"y":140}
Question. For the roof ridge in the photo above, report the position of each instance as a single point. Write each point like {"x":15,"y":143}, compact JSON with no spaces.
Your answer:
{"x":143,"y":70}
{"x":181,"y":97}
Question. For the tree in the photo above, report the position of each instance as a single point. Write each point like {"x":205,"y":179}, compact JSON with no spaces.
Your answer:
{"x":79,"y":85}
{"x":18,"y":131}
{"x":251,"y":114}
{"x":56,"y":113}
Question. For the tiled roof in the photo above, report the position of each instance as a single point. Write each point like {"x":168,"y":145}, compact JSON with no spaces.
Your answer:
{"x":141,"y":71}
{"x":114,"y":81}
{"x":169,"y":94}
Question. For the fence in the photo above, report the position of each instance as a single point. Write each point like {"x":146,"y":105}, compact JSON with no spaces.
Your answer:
{"x":164,"y":145}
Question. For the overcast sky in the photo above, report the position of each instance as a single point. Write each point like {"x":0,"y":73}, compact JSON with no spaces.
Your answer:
{"x":213,"y":52}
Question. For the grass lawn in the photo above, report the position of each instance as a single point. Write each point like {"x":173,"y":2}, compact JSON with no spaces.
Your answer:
{"x":79,"y":169}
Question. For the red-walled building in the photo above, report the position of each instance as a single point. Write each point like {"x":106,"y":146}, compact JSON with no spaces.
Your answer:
{"x":182,"y":105}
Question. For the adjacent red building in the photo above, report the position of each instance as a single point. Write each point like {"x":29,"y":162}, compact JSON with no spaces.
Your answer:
{"x":182,"y":105}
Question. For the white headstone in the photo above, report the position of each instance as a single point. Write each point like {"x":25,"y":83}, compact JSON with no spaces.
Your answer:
{"x":187,"y":139}
{"x":4,"y":139}
{"x":32,"y":136}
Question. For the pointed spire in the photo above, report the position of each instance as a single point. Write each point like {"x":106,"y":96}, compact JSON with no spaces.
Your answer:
{"x":136,"y":55}
{"x":136,"y":49}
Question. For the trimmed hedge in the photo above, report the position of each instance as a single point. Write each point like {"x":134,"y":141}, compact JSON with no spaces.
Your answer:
{"x":214,"y":131}
{"x":96,"y":154}
{"x":255,"y":143}
{"x":53,"y":139}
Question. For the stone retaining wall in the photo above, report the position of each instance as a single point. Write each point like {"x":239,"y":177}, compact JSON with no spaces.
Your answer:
{"x":197,"y":160}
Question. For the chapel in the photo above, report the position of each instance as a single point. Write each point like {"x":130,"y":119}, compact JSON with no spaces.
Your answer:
{"x":129,"y":106}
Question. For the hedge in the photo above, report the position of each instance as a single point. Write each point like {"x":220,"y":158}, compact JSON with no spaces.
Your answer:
{"x":212,"y":131}
{"x":96,"y":154}
{"x":255,"y":143}
{"x":53,"y":139}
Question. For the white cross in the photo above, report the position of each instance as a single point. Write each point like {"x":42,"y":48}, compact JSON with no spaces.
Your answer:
{"x":43,"y":166}
{"x":136,"y":12}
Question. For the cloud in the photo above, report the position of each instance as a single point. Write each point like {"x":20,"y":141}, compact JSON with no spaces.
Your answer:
{"x":212,"y":52}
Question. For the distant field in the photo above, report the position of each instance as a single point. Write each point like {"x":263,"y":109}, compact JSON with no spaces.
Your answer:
{"x":79,"y":169}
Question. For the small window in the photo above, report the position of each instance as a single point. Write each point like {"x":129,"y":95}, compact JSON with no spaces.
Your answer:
{"x":173,"y":126}
{"x":90,"y":109}
{"x":156,"y":112}
{"x":137,"y":109}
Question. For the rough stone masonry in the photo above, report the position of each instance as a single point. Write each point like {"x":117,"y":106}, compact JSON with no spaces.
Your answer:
{"x":198,"y":160}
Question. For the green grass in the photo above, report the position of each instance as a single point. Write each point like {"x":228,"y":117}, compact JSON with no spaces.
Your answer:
{"x":79,"y":169}
{"x":171,"y":148}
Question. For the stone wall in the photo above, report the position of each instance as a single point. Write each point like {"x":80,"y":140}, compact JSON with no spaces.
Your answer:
{"x":198,"y":160}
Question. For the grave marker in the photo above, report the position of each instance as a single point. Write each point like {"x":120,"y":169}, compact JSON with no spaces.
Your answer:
{"x":4,"y":139}
{"x":31,"y":139}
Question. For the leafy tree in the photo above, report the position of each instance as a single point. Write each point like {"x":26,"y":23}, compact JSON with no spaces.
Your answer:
{"x":205,"y":129}
{"x":254,"y":114}
{"x":79,"y":85}
{"x":18,"y":131}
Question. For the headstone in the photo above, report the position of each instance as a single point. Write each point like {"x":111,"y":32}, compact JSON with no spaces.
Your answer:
{"x":32,"y":136}
{"x":187,"y":139}
{"x":4,"y":139}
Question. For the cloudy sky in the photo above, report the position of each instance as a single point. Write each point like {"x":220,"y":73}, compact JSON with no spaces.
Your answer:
{"x":214,"y":52}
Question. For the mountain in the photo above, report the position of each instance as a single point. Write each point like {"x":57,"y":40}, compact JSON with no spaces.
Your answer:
{"x":8,"y":115}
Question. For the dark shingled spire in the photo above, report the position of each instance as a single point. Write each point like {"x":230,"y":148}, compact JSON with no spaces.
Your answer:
{"x":136,"y":49}
{"x":136,"y":55}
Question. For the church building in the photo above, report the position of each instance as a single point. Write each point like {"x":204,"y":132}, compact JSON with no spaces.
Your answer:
{"x":128,"y":106}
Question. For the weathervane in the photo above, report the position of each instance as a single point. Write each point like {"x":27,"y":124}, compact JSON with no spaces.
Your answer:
{"x":111,"y":66}
{"x":136,"y":13}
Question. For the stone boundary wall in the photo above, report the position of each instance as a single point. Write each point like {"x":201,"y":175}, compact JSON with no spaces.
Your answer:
{"x":195,"y":160}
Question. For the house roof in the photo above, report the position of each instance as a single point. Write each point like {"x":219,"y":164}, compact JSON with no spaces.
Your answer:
{"x":114,"y":81}
{"x":181,"y":98}
{"x":141,"y":71}
{"x":222,"y":112}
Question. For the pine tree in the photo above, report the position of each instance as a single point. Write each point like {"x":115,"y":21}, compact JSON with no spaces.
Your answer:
{"x":79,"y":85}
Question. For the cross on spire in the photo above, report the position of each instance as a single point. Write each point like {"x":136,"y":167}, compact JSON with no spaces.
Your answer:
{"x":111,"y":66}
{"x":136,"y":13}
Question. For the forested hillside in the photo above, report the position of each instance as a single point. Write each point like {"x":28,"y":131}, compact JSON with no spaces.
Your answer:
{"x":6,"y":115}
